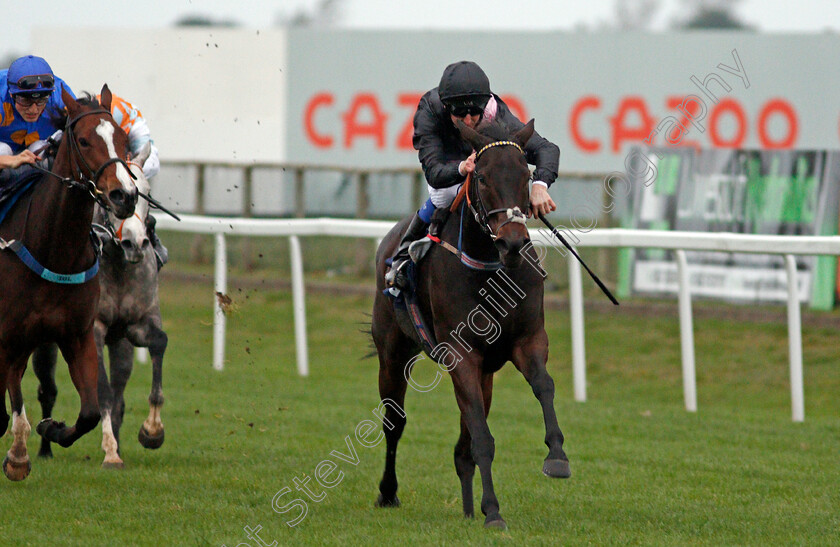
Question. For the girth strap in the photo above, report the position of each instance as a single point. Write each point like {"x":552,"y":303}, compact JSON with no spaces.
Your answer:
{"x":66,"y":279}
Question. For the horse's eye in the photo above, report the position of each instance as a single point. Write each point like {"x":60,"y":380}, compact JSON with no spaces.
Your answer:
{"x":84,"y":142}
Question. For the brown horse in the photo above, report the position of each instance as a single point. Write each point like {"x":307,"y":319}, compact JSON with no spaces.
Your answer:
{"x":128,"y":316}
{"x":45,"y":299}
{"x":482,"y":312}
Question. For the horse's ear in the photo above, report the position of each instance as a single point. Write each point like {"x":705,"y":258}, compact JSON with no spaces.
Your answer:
{"x":105,"y":98}
{"x":477,"y":140}
{"x":71,"y":104}
{"x":141,"y":156}
{"x":524,"y":135}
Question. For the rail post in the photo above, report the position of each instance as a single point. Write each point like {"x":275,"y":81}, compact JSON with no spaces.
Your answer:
{"x":247,"y":212}
{"x":363,"y":261}
{"x":797,"y":394}
{"x":196,"y":254}
{"x":219,"y":302}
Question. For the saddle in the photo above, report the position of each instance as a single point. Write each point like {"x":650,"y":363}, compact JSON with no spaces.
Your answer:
{"x":406,"y":305}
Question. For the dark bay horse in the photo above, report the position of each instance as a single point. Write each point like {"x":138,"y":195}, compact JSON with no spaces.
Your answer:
{"x":481,"y":317}
{"x":128,"y":317}
{"x":46,"y":299}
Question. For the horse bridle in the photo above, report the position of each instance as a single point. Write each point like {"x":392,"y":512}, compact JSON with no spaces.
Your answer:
{"x":78,"y":179}
{"x":482,"y":215}
{"x":76,"y":156}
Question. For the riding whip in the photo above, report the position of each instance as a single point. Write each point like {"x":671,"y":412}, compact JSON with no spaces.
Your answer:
{"x":591,"y":273}
{"x":156,"y":205}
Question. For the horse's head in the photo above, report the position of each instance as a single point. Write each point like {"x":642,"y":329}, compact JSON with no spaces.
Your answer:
{"x":499,"y":194}
{"x":95,"y":152}
{"x":130,"y":234}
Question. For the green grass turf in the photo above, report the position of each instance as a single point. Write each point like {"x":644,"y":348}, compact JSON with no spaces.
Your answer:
{"x":644,"y":471}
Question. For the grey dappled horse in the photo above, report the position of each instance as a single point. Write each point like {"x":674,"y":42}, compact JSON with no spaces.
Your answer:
{"x":128,"y":317}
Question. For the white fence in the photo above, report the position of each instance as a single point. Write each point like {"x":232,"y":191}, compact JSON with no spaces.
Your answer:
{"x":678,"y":241}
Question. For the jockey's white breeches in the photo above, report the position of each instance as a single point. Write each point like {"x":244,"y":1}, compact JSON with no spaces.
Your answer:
{"x":443,"y":197}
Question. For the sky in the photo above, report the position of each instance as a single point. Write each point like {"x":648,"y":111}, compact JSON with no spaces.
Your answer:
{"x":520,"y":15}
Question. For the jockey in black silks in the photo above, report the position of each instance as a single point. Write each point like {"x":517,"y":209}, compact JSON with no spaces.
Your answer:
{"x":463,"y":94}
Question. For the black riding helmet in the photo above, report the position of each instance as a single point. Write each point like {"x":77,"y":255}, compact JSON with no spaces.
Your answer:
{"x":464,"y":84}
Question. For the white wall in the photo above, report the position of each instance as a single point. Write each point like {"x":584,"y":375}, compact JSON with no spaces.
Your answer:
{"x":207,"y":93}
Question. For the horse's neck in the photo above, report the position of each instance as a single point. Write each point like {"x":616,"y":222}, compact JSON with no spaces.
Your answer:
{"x":57,"y":230}
{"x":474,"y":242}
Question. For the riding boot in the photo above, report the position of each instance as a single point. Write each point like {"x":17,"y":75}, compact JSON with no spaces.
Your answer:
{"x":396,"y":277}
{"x":438,"y":220}
{"x":161,"y":252}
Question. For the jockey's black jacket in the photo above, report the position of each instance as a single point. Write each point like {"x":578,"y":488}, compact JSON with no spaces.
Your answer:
{"x":441,"y":148}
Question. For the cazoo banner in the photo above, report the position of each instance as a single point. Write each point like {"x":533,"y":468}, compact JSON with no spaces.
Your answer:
{"x":347,"y":97}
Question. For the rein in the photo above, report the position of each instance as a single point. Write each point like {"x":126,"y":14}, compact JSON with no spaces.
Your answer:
{"x":86,"y":184}
{"x":481,"y":214}
{"x":78,"y":180}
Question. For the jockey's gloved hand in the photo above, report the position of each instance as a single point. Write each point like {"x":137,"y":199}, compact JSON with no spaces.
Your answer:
{"x":151,"y":222}
{"x":55,"y":138}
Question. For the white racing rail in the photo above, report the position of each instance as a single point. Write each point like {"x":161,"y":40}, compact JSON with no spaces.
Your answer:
{"x":620,"y":238}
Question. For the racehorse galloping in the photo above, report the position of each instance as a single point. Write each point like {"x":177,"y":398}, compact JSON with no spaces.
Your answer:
{"x":45,"y":298}
{"x":476,"y":335}
{"x":128,"y":317}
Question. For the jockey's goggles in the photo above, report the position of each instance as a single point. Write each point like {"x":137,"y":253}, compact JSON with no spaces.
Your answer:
{"x":461,"y":111}
{"x":28,"y":100}
{"x":36,"y":81}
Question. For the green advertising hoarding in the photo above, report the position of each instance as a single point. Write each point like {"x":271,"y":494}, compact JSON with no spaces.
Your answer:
{"x":770,"y":192}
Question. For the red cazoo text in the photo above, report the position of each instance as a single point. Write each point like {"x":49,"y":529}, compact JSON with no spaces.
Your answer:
{"x":366,"y":116}
{"x":631,"y":121}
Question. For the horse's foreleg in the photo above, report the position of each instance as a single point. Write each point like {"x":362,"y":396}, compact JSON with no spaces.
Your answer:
{"x":110,"y":441}
{"x":530,"y":357}
{"x":465,"y":468}
{"x":43,"y":363}
{"x":16,"y":464}
{"x":464,"y":463}
{"x":4,"y":416}
{"x":121,"y":358}
{"x":150,"y":335}
{"x":81,"y":358}
{"x":468,"y":382}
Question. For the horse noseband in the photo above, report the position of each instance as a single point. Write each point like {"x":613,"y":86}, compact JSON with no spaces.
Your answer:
{"x":513,"y":215}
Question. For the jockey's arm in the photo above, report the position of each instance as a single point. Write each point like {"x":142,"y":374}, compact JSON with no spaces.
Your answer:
{"x":152,"y":165}
{"x":138,"y":136}
{"x":7,"y":159}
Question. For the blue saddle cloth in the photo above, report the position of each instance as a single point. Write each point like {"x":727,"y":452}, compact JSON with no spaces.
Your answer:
{"x":14,"y":183}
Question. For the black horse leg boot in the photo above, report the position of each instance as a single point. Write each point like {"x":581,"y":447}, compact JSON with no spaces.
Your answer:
{"x":396,"y":276}
{"x":161,"y":252}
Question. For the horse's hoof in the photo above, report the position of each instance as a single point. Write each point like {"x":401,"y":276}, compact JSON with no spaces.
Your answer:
{"x":148,"y":440}
{"x":16,"y":471}
{"x":557,"y":469}
{"x":496,"y":523}
{"x":45,"y":453}
{"x":113,"y":465}
{"x":382,"y":502}
{"x":49,"y":429}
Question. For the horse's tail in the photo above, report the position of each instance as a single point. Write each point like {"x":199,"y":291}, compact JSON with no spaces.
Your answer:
{"x":367,"y":329}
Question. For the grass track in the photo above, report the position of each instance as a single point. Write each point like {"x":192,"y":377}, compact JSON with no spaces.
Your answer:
{"x":644,"y":470}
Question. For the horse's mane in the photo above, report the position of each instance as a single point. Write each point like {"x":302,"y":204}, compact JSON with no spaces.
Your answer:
{"x":86,"y":100}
